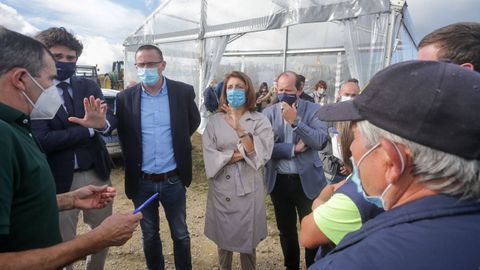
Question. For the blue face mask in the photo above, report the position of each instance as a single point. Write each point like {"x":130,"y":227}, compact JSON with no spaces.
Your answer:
{"x":288,"y":98}
{"x":236,"y":97}
{"x":355,"y":177}
{"x":65,"y":70}
{"x":149,"y":76}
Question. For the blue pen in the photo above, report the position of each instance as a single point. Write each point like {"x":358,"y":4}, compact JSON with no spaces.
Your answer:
{"x":145,"y":203}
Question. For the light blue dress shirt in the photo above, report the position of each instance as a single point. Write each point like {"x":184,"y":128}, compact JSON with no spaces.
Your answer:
{"x":287,"y":166}
{"x":158,"y":156}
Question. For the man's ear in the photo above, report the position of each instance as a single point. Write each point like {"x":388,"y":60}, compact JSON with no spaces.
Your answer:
{"x":17,"y":78}
{"x":393,"y":162}
{"x":468,"y":65}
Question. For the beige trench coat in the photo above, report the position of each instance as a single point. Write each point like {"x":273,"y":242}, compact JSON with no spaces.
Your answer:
{"x":236,"y":217}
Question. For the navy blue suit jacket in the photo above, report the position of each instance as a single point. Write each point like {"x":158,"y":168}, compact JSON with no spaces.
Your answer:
{"x":60,"y":138}
{"x":435,"y":232}
{"x":184,"y":120}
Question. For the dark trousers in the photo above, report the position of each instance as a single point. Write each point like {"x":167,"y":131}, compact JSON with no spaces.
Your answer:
{"x":289,"y":200}
{"x":172,"y":197}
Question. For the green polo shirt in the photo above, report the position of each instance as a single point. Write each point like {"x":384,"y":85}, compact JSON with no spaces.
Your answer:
{"x":28,"y":204}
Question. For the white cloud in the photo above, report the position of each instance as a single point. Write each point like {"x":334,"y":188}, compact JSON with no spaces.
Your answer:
{"x":88,"y":17}
{"x":100,"y":25}
{"x":13,"y":21}
{"x":98,"y":51}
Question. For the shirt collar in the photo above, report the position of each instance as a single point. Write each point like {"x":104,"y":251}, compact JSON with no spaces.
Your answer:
{"x":10,"y":114}
{"x":56,"y":82}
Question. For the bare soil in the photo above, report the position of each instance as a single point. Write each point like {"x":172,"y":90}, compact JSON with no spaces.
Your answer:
{"x":204,"y":252}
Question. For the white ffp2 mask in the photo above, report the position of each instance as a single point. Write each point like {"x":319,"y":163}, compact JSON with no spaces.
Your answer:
{"x":47,"y":103}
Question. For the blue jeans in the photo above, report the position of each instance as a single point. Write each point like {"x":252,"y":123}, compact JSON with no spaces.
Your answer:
{"x":172,"y":196}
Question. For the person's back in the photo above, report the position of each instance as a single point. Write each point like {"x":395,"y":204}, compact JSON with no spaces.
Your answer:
{"x":210,"y":99}
{"x":437,"y":232}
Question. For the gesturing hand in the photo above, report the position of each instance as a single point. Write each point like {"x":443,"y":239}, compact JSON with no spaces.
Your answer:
{"x":95,"y":114}
{"x":93,"y":197}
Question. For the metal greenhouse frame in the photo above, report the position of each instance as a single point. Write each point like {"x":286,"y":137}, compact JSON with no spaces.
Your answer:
{"x":331,"y":40}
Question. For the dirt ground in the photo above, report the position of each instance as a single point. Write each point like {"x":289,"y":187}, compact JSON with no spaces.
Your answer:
{"x":204,"y":252}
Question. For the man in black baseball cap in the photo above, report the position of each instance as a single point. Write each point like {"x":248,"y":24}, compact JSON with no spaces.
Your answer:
{"x":416,"y":153}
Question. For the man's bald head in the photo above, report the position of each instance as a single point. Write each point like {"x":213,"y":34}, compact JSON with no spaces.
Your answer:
{"x":349,"y":89}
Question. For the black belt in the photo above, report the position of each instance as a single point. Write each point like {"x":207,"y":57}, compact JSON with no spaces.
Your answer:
{"x":289,"y":175}
{"x":158,"y":177}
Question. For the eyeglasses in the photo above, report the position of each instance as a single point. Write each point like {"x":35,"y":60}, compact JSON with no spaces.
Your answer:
{"x":148,"y":64}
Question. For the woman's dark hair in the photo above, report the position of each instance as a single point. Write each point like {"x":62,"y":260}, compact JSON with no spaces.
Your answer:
{"x":250,"y":104}
{"x":321,"y":84}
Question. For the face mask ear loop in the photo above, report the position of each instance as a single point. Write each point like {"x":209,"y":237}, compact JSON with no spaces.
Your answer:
{"x":401,"y":157}
{"x":366,"y":154}
{"x":35,"y":81}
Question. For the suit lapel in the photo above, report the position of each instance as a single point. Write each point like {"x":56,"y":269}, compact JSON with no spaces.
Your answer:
{"x":78,"y":94}
{"x":278,"y":119}
{"x":172,"y":102}
{"x":137,"y":111}
{"x":300,"y":112}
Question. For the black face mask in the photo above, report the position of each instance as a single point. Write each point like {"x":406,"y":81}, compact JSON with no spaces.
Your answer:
{"x":288,"y":98}
{"x":65,"y":70}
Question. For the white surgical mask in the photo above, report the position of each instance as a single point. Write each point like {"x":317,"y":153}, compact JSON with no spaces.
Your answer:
{"x":47,"y":103}
{"x":345,"y":98}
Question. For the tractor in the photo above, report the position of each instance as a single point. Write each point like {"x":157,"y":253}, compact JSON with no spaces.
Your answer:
{"x":113,"y":79}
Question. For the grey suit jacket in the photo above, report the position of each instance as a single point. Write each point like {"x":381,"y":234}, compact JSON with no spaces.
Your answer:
{"x":314,"y":134}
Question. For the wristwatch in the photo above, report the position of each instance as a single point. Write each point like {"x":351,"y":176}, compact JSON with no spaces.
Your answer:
{"x":295,"y":123}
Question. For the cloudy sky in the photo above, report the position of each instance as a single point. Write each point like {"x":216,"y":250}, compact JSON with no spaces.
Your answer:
{"x":102,"y":25}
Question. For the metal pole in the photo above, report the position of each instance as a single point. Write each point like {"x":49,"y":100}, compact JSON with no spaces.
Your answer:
{"x":396,"y":7}
{"x":285,"y":48}
{"x":202,"y":53}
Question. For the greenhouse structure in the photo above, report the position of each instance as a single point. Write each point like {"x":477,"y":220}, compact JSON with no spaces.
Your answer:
{"x":330,"y":40}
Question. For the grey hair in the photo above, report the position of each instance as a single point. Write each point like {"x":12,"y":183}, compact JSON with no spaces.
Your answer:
{"x":430,"y":165}
{"x":17,"y":50}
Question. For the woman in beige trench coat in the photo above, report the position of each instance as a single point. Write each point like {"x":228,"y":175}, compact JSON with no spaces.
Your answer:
{"x":237,"y":142}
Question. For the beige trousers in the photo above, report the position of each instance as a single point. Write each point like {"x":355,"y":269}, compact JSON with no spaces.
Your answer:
{"x":93,"y":217}
{"x":248,"y":261}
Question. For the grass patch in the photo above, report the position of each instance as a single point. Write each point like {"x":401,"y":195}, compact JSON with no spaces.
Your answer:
{"x":199,"y":179}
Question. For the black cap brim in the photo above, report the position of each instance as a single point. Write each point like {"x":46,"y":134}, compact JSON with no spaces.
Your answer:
{"x":341,"y":111}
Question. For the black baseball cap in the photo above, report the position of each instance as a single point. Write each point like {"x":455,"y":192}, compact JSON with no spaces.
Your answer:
{"x":433,"y":103}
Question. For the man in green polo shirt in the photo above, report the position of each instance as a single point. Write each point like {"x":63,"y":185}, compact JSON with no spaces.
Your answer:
{"x":29,"y":229}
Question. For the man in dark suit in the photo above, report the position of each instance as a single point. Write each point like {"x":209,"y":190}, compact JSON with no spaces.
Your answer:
{"x":155,"y":121}
{"x":300,"y":84}
{"x":294,"y":175}
{"x":77,"y":155}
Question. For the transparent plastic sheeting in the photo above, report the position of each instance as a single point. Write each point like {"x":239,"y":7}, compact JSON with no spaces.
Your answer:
{"x":184,"y":17}
{"x":328,"y":40}
{"x":182,"y":60}
{"x":365,"y":40}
